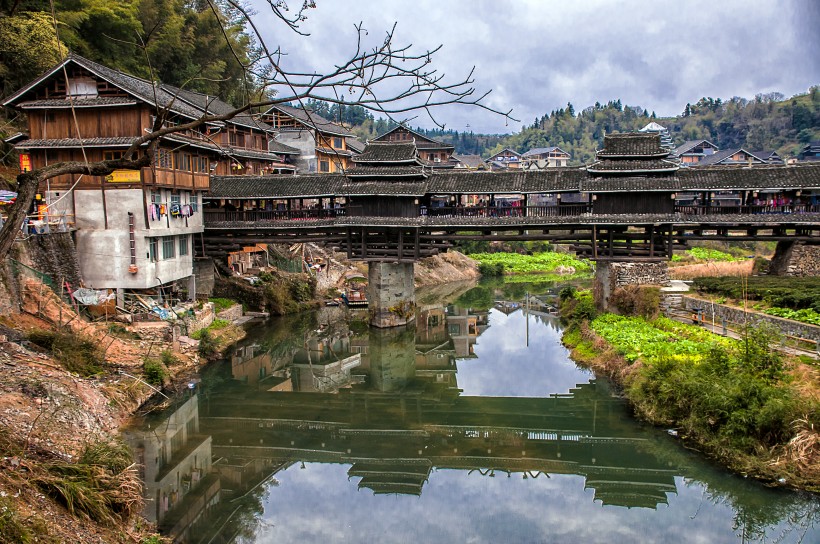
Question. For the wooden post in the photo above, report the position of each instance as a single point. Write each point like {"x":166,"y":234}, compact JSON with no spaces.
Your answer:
{"x":416,"y":244}
{"x":594,"y":242}
{"x":651,"y":229}
{"x":401,"y":243}
{"x":349,"y":243}
{"x":364,"y":243}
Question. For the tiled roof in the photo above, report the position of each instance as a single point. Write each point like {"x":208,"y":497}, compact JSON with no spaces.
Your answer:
{"x":354,"y":144}
{"x":632,"y":144}
{"x":215,"y":106}
{"x":375,"y":188}
{"x":313,"y":120}
{"x":686,"y":146}
{"x":756,"y":178}
{"x":628,"y":165}
{"x":77,"y":102}
{"x":121,"y":141}
{"x":335,"y":152}
{"x":720,"y":156}
{"x":542,"y":150}
{"x":422,"y":141}
{"x":668,"y":184}
{"x":251,"y":154}
{"x":388,"y":152}
{"x":393,"y":171}
{"x":280,"y":186}
{"x":769,"y":156}
{"x":282,"y":149}
{"x":508,"y":181}
{"x":506,"y":149}
{"x":470,"y":161}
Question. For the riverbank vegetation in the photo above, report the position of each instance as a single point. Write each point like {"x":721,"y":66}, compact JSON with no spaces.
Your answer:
{"x":498,"y":264}
{"x":740,"y":401}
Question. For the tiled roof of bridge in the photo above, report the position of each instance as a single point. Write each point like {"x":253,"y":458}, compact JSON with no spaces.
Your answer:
{"x":756,"y":177}
{"x":375,"y":188}
{"x":398,"y":171}
{"x":632,"y":144}
{"x":280,"y":186}
{"x":509,"y":181}
{"x":632,"y":165}
{"x":388,"y":152}
{"x":669,"y":184}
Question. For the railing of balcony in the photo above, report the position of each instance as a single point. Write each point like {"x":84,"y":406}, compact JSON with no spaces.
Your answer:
{"x":730,"y":210}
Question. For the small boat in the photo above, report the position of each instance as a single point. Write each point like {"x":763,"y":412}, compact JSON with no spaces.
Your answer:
{"x":354,"y":294}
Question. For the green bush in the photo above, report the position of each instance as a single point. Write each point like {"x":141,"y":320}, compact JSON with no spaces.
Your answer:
{"x":515,"y":263}
{"x":154,"y":371}
{"x":77,"y":354}
{"x":567,"y":292}
{"x":491,"y":269}
{"x":208,"y":345}
{"x":168,"y":358}
{"x":13,"y":527}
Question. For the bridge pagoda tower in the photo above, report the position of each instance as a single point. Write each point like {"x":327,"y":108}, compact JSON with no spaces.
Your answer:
{"x":637,"y":161}
{"x":387,"y":180}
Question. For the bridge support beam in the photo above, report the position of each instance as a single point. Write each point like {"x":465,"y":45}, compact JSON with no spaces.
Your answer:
{"x":610,"y":275}
{"x":391,"y":294}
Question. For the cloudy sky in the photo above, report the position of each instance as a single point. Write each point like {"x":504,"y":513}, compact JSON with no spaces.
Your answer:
{"x":537,"y":55}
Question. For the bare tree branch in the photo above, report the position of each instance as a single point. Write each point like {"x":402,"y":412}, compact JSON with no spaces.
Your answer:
{"x":388,"y":78}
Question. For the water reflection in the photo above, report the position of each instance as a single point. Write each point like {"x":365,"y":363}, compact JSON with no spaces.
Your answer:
{"x":330,"y":408}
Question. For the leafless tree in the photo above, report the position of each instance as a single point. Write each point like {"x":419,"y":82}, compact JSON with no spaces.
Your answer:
{"x":389,"y":78}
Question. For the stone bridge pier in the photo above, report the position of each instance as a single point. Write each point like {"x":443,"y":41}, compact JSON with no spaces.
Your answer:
{"x":610,"y":275}
{"x":391,"y":294}
{"x":795,"y":259}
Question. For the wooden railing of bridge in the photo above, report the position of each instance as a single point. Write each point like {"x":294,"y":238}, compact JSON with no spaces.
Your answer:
{"x":562,"y":210}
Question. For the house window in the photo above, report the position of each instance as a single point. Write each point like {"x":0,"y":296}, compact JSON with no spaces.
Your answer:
{"x":194,"y":202}
{"x":337,"y":143}
{"x":200,"y":164}
{"x":163,"y":159}
{"x":182,"y":161}
{"x":152,"y":250}
{"x":167,"y":247}
{"x":112,"y":155}
{"x":183,"y":245}
{"x":324,"y":166}
{"x":82,"y":87}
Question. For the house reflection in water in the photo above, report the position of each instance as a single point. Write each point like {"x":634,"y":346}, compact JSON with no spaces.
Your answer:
{"x":175,"y":463}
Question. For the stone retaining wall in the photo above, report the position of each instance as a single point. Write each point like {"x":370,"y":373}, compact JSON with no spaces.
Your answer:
{"x":231,"y":314}
{"x":201,"y":318}
{"x":611,"y":275}
{"x":738,"y":316}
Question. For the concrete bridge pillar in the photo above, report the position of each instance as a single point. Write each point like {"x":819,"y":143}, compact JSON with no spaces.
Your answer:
{"x":609,"y":275}
{"x":391,"y":294}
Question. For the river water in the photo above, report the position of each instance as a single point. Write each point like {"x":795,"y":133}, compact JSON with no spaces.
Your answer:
{"x":472,"y":425}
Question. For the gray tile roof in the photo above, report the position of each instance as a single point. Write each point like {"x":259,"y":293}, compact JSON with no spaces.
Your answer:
{"x":632,"y":144}
{"x":388,"y":153}
{"x":720,"y":156}
{"x":470,"y":161}
{"x":422,"y":141}
{"x":121,"y":141}
{"x":686,"y":146}
{"x":77,"y":103}
{"x":215,"y":106}
{"x":282,"y":149}
{"x":251,"y":154}
{"x":313,"y":120}
{"x":402,"y":171}
{"x":375,"y":188}
{"x":508,"y":181}
{"x":756,"y":178}
{"x":668,"y":184}
{"x":542,"y":150}
{"x":279,"y":186}
{"x":628,"y":165}
{"x":354,"y":144}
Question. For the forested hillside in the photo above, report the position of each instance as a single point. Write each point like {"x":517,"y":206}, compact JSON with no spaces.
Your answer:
{"x":179,"y":42}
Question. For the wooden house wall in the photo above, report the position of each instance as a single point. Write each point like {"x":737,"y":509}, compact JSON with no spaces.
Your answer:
{"x":91,"y":122}
{"x":381,"y":206}
{"x":634,"y":202}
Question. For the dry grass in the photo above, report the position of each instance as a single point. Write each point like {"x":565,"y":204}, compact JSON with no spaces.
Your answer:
{"x":692,"y":271}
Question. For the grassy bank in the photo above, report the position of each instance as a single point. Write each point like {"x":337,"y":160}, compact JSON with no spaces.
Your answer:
{"x":739,"y":401}
{"x":497,"y":264}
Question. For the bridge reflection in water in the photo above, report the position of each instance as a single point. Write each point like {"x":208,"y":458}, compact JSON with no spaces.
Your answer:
{"x":386,"y":403}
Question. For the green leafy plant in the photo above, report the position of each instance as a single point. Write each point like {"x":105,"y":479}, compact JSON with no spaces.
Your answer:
{"x":514,"y":263}
{"x":208,"y":344}
{"x":154,"y":371}
{"x":76,"y":353}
